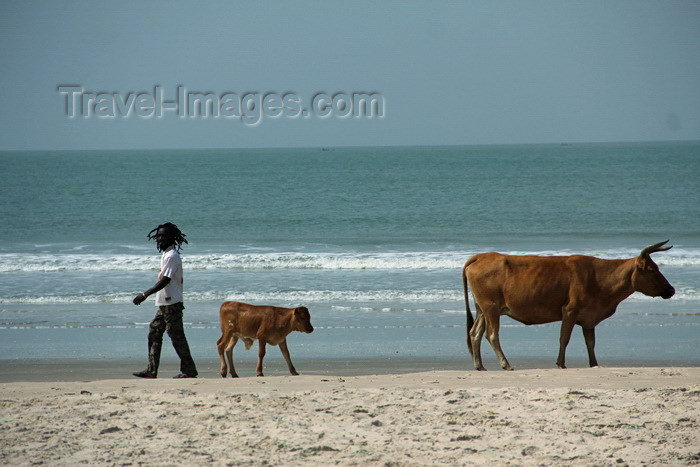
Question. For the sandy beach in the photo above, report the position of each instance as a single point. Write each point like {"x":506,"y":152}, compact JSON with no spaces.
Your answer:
{"x":600,"y":416}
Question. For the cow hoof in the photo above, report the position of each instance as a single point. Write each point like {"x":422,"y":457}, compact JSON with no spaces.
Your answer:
{"x":223,"y":375}
{"x":561,"y":367}
{"x":481,"y":368}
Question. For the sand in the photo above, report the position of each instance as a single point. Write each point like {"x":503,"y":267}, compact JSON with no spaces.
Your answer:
{"x":599,"y":416}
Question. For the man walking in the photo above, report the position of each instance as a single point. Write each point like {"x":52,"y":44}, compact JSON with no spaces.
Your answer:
{"x":168,"y":291}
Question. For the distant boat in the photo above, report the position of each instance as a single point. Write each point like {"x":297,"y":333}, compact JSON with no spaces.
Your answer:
{"x":326,"y":149}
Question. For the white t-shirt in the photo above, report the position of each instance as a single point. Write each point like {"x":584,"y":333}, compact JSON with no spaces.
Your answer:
{"x":170,"y":266}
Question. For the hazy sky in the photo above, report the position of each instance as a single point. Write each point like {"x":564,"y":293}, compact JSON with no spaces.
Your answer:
{"x":447,"y":73}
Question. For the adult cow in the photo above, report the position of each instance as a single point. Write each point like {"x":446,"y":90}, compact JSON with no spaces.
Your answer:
{"x":577,"y":289}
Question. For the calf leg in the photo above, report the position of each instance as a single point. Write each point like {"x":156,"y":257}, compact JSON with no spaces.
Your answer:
{"x":287,"y":358}
{"x":589,"y":337}
{"x":476,"y":334}
{"x":229,"y":355}
{"x":261,"y":355}
{"x":493,"y":325}
{"x":220,"y":346}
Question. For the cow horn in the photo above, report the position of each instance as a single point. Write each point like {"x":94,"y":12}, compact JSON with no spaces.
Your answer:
{"x":656,"y":247}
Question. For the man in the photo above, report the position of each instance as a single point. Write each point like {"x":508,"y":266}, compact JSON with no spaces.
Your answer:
{"x":168,"y":291}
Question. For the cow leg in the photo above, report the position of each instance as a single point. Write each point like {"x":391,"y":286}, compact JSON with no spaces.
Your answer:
{"x":589,"y":336}
{"x":287,"y":358}
{"x":567,"y":326}
{"x":261,"y":355}
{"x":493,"y":325}
{"x":476,"y":333}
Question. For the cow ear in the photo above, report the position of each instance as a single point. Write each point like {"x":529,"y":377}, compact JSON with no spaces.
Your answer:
{"x":641,"y":262}
{"x":645,"y":263}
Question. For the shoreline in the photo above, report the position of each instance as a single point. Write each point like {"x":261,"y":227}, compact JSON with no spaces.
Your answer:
{"x":601,"y":416}
{"x":83,"y":369}
{"x":612,"y":378}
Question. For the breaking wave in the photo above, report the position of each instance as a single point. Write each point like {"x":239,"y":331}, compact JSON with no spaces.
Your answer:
{"x":14,"y":262}
{"x":301,"y":296}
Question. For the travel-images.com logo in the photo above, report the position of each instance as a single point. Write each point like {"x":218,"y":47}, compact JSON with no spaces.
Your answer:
{"x":250,"y":107}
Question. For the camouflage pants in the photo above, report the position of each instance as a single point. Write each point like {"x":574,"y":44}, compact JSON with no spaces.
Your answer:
{"x":169,"y":318}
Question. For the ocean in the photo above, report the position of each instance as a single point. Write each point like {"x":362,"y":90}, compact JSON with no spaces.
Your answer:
{"x":371,"y":240}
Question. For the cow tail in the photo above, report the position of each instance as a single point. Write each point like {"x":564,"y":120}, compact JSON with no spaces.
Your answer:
{"x":470,"y":317}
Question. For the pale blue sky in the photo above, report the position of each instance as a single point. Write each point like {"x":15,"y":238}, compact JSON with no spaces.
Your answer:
{"x":479,"y":72}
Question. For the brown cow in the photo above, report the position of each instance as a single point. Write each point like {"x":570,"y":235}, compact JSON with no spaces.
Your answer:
{"x":267,"y":324}
{"x":581,"y":290}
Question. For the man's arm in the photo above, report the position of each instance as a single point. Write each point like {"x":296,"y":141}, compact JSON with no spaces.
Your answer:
{"x":159,"y":285}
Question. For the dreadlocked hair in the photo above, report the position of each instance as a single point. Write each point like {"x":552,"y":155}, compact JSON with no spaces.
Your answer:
{"x":178,"y":237}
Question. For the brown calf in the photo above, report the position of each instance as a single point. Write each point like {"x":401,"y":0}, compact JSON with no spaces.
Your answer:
{"x":267,"y":324}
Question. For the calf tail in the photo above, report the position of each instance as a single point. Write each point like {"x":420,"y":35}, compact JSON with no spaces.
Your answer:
{"x":470,"y":317}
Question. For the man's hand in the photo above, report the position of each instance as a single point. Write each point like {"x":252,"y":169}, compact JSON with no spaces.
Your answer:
{"x":160,"y":285}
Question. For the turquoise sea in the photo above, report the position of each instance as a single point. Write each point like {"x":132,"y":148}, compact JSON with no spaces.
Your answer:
{"x":372,"y":240}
